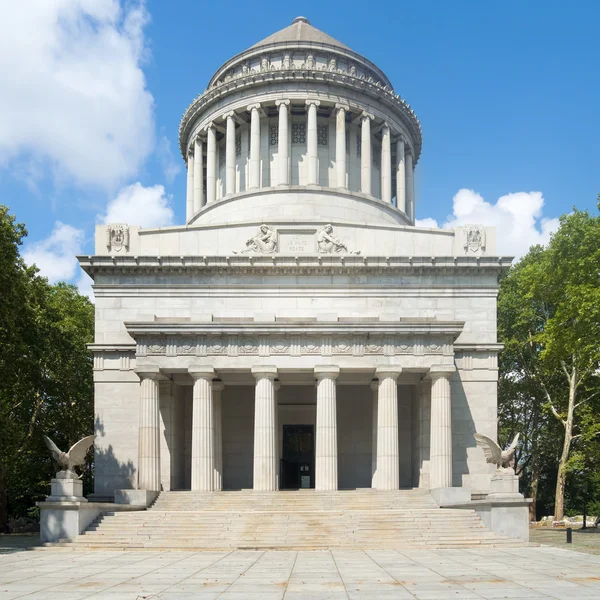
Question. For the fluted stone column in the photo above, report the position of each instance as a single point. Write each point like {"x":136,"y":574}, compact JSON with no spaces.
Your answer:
{"x":386,"y":164}
{"x":410,"y":185}
{"x":440,"y":457}
{"x":254,"y":170}
{"x":311,"y":143}
{"x":365,"y":154}
{"x":374,"y":389}
{"x":265,"y":442}
{"x":326,"y":454}
{"x":229,"y":153}
{"x":211,"y":163}
{"x":388,"y":455}
{"x":400,"y":176}
{"x":189,"y":199}
{"x":203,"y":458}
{"x":217,"y":388}
{"x":149,"y":428}
{"x":277,"y":454}
{"x":283,"y":145}
{"x":340,"y":144}
{"x":198,"y":174}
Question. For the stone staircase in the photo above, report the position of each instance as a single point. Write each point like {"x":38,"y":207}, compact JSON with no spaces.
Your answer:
{"x":305,"y":519}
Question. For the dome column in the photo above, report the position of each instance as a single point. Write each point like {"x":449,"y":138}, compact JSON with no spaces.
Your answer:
{"x":311,"y":143}
{"x":400,"y":176}
{"x":254,"y":174}
{"x":340,"y":144}
{"x":410,"y":185}
{"x":283,"y":143}
{"x":229,"y":153}
{"x":365,"y":150}
{"x":211,"y":163}
{"x":386,"y":164}
{"x":189,"y":199}
{"x":198,"y":174}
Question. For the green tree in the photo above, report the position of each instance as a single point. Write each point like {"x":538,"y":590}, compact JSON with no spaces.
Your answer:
{"x":549,"y":320}
{"x":45,"y":372}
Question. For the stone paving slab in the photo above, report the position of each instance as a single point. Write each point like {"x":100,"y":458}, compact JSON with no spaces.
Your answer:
{"x":466,"y":574}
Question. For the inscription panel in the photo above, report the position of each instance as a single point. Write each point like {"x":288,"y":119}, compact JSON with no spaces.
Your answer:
{"x":297,"y":241}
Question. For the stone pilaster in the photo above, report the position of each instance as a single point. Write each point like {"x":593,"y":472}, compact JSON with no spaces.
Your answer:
{"x":386,"y":164}
{"x":283,"y":149}
{"x":211,"y":163}
{"x":388,"y":455}
{"x":149,"y":429}
{"x":374,"y":389}
{"x":340,"y":144}
{"x":366,"y":154}
{"x":265,"y":442}
{"x":441,"y":427}
{"x":400,"y":175}
{"x":229,"y":153}
{"x":311,"y":143}
{"x":198,"y":174}
{"x":203,"y":460}
{"x":189,"y":199}
{"x":217,"y":388}
{"x":254,"y":166}
{"x":326,"y":455}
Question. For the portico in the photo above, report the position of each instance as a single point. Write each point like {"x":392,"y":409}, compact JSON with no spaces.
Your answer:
{"x":282,"y":374}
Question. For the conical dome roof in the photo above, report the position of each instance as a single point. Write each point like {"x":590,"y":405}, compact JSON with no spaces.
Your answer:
{"x":300,"y":31}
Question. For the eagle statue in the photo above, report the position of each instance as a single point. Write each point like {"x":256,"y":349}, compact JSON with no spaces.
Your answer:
{"x":67,"y":461}
{"x":494,"y":454}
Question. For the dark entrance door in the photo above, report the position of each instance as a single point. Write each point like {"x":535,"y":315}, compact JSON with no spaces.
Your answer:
{"x":298,"y":458}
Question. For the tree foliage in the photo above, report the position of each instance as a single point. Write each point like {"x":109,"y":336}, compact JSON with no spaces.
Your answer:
{"x":45,"y":372}
{"x":549,"y":321}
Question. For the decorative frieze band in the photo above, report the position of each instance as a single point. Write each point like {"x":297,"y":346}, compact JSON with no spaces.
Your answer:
{"x":293,"y":345}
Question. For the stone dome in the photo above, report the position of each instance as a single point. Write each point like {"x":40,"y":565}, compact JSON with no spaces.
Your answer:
{"x":300,"y":125}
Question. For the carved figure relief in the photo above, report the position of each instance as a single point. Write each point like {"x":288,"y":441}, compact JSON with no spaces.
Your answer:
{"x":327,"y":243}
{"x":474,"y":239}
{"x":264,"y":242}
{"x":117,"y":238}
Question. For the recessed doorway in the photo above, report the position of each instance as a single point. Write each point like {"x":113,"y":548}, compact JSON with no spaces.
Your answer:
{"x":298,"y":457}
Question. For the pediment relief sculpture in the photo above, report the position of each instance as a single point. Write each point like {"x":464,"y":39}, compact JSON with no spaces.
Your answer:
{"x":327,"y":243}
{"x":264,"y":242}
{"x":474,"y":239}
{"x":117,"y":237}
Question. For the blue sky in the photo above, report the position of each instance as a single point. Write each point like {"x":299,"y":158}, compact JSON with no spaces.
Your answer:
{"x":507,"y":94}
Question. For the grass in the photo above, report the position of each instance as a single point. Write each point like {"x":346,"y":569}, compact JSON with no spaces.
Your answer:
{"x":584,"y":540}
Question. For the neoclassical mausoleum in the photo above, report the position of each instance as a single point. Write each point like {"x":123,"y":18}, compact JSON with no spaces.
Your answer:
{"x":298,"y":330}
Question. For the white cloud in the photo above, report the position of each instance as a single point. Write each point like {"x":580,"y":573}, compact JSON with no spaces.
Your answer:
{"x":73,"y":88}
{"x":84,"y":284}
{"x":55,"y":256}
{"x":517,"y":217}
{"x":139,"y":205}
{"x":170,"y":165}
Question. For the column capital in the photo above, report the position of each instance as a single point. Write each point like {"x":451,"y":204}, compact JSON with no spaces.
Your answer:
{"x":386,"y":125}
{"x":310,"y":101}
{"x":400,"y":138}
{"x":327,"y":371}
{"x":367,"y":115}
{"x":149,"y":372}
{"x":202,"y":372}
{"x":264,"y":372}
{"x":280,"y":103}
{"x":252,"y":107}
{"x":388,"y":371}
{"x":190,"y":151}
{"x":228,"y":115}
{"x":439,"y":371}
{"x":200,"y":138}
{"x":374,"y":384}
{"x":344,"y":107}
{"x":218,"y":386}
{"x":209,"y":126}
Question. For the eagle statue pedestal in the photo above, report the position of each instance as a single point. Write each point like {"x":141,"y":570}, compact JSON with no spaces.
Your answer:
{"x":66,"y":490}
{"x":504,"y":486}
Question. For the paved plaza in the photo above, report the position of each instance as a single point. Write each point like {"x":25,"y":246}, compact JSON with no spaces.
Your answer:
{"x":522,"y":573}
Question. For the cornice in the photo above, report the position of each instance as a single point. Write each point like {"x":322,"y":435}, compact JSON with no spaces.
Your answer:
{"x":253,"y":265}
{"x":254,"y":79}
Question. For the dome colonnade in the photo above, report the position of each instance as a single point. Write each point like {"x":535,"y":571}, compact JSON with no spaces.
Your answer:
{"x":300,"y":110}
